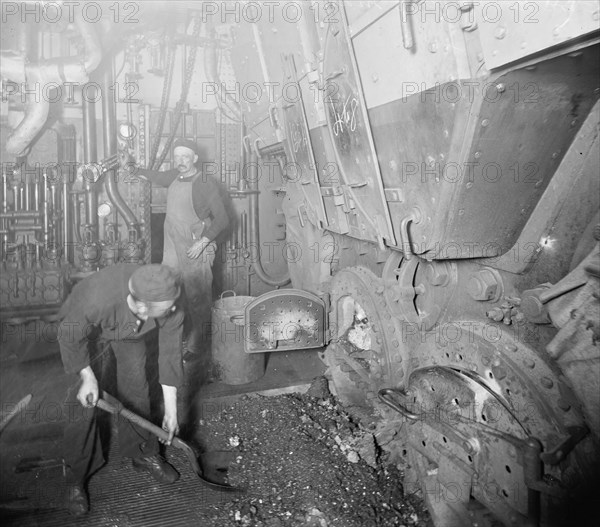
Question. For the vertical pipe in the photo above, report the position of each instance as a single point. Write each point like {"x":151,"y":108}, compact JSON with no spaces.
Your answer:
{"x":66,"y":224}
{"x":46,"y":222}
{"x":27,"y":197}
{"x":534,"y":472}
{"x":4,"y":191}
{"x":254,"y":228}
{"x":234,"y":236}
{"x":54,"y":209}
{"x":244,"y":230}
{"x":15,"y":189}
{"x":90,"y":155}
{"x":36,"y":194}
{"x":36,"y":207}
{"x":4,"y":222}
{"x":109,"y":117}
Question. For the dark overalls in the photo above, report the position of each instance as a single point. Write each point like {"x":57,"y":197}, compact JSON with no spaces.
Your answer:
{"x":94,"y":320}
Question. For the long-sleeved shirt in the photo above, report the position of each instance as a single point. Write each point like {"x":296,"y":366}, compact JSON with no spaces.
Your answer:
{"x":205,"y":196}
{"x":97,"y":309}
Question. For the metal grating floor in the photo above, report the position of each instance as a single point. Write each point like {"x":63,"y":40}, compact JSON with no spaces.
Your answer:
{"x":119,"y":496}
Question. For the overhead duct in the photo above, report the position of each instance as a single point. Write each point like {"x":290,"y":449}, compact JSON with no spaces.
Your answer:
{"x":33,"y":77}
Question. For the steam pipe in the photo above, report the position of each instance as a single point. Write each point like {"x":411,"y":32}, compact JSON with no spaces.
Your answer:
{"x":54,"y":200}
{"x":76,"y":203}
{"x":35,"y":75}
{"x":16,"y":195}
{"x":45,"y":198}
{"x":254,"y":227}
{"x":90,"y":155}
{"x":109,"y":119}
{"x":27,"y":197}
{"x":4,"y":191}
{"x":67,"y":246}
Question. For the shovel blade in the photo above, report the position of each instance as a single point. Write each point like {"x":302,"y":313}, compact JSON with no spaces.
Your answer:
{"x":215,"y":466}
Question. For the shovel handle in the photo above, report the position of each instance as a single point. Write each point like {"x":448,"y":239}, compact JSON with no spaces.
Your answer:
{"x":161,"y":434}
{"x":134,"y":418}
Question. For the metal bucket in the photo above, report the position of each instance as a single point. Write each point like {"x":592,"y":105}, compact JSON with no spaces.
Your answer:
{"x":232,"y":364}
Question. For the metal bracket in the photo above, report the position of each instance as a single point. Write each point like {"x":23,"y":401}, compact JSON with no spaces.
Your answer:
{"x":559,"y":452}
{"x":393,"y":195}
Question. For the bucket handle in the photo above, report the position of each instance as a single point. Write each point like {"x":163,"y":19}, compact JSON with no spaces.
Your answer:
{"x":228,"y":291}
{"x":238,"y":320}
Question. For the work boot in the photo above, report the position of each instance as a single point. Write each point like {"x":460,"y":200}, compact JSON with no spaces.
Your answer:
{"x":76,"y":499}
{"x":156,"y":466}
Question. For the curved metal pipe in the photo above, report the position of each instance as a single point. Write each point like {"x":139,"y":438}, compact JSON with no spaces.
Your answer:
{"x":109,"y":120}
{"x":254,"y":227}
{"x":38,"y":76}
{"x":36,"y":113}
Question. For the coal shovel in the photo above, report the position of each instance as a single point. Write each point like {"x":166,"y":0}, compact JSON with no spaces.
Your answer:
{"x":212,"y":468}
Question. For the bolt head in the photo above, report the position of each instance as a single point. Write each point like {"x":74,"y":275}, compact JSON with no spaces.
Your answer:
{"x":500,"y":32}
{"x":436,"y":274}
{"x":483,"y":286}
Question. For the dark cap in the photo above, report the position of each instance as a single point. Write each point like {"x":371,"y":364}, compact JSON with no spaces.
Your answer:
{"x":187,"y":143}
{"x":154,"y":283}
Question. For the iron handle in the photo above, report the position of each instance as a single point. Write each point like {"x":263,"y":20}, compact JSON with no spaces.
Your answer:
{"x":384,"y":396}
{"x":413,"y":217}
{"x":238,"y":320}
{"x":161,"y":434}
{"x":134,"y":418}
{"x":228,"y":291}
{"x":556,"y":291}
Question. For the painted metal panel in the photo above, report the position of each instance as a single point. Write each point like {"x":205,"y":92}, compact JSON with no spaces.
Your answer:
{"x":476,"y":166}
{"x":512,"y":30}
{"x":512,"y":155}
{"x":389,"y":71}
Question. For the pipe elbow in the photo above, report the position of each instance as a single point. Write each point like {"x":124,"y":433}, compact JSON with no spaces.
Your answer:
{"x":57,"y":71}
{"x":117,"y":200}
{"x":264,"y":277}
{"x":36,"y":113}
{"x":12,"y":66}
{"x":28,"y":128}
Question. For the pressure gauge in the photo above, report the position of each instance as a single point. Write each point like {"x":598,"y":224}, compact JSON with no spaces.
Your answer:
{"x":127,"y":131}
{"x":104,"y":209}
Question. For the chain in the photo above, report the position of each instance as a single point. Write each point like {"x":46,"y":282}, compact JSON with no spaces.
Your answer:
{"x":163,"y":106}
{"x":189,"y":72}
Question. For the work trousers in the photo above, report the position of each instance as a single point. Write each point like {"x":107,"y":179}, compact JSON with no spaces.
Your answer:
{"x":82,"y":447}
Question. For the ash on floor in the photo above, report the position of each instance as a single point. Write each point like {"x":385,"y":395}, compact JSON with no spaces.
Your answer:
{"x":304,"y":462}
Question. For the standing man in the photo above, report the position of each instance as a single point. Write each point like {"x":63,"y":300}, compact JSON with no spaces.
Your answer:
{"x":115,"y":309}
{"x":195,"y":216}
